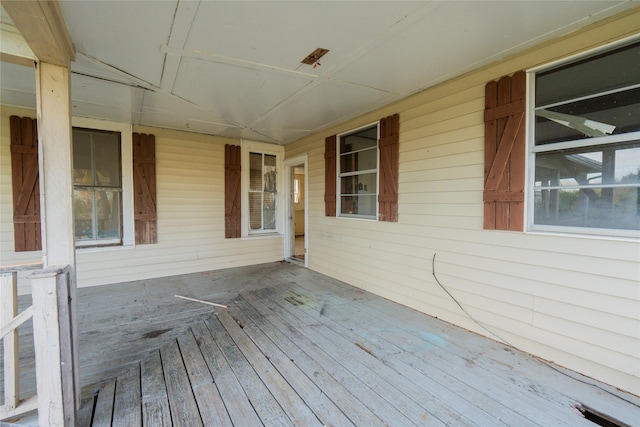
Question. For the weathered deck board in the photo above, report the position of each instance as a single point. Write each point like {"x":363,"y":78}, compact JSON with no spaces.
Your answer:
{"x":184,"y":410}
{"x":210,"y":404}
{"x":155,"y":402}
{"x":318,"y":401}
{"x":236,"y":400}
{"x":103,"y":412}
{"x":396,"y":351}
{"x":127,"y":403}
{"x":355,"y":385}
{"x":298,"y":348}
{"x":355,"y":357}
{"x":477,"y":378}
{"x":396,"y":326}
{"x":295,"y":408}
{"x":263,"y":402}
{"x":347,"y":402}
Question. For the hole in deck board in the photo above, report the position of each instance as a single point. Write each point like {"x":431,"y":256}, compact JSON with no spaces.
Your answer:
{"x":156,"y":333}
{"x":599,"y":418}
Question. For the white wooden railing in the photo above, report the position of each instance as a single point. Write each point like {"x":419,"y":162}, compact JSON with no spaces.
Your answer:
{"x":53,"y":341}
{"x":10,"y":320}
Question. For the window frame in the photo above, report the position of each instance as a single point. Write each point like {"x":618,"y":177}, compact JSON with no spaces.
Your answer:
{"x":127,"y":240}
{"x":339,"y":175}
{"x":533,"y":151}
{"x":249,"y":147}
{"x":94,"y":188}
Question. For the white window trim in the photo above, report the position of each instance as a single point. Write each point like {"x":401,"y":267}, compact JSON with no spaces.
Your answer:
{"x":126,"y":159}
{"x":377,"y":170}
{"x":532,"y":150}
{"x":264,"y":148}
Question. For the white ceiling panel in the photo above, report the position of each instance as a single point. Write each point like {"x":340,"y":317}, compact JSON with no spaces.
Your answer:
{"x":477,"y":33}
{"x":232,"y":68}
{"x":162,"y":120}
{"x":322,"y":104}
{"x":18,"y":85}
{"x":224,"y":89}
{"x":282,"y":33}
{"x":100,"y":99}
{"x":126,"y":35}
{"x":167,"y":105}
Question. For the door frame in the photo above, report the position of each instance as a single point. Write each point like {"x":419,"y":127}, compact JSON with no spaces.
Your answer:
{"x":289,"y":164}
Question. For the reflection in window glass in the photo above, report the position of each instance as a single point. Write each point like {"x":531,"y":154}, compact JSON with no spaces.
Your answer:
{"x":358,"y":173}
{"x":262,"y":191}
{"x":587,"y":148}
{"x":595,"y":187}
{"x":97,"y":187}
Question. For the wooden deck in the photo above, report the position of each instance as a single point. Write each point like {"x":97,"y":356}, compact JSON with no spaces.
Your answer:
{"x":297,"y":348}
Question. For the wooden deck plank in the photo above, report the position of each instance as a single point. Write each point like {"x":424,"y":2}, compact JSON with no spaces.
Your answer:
{"x":184,"y":410}
{"x":360,"y":362}
{"x":155,"y":403}
{"x":313,"y":396}
{"x":264,"y":403}
{"x":85,"y":413}
{"x":286,"y":396}
{"x":341,"y":352}
{"x":476,"y":405}
{"x":103,"y":412}
{"x":479,"y":375}
{"x":210,"y":404}
{"x":342,"y":397}
{"x":235,"y":399}
{"x":310,"y":343}
{"x":127,"y":403}
{"x":450,"y":407}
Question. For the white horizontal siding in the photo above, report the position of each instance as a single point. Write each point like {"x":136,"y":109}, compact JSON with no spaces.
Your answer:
{"x":571,"y":299}
{"x":190,"y":205}
{"x":190,"y":209}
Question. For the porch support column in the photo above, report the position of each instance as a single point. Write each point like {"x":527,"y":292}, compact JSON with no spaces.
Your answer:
{"x":53,"y":93}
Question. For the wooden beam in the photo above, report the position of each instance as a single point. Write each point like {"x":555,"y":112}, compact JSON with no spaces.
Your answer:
{"x":14,"y":48}
{"x":42,"y":25}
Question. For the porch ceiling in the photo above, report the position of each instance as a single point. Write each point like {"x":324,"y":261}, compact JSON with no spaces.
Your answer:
{"x":233,"y":68}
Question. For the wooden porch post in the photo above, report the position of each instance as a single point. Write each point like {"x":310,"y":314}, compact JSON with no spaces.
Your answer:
{"x":53,"y":92}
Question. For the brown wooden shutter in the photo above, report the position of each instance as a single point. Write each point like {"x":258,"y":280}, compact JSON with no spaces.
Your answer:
{"x":504,"y":153}
{"x":26,"y":185}
{"x":232,"y":193}
{"x":144,"y":188}
{"x":389,"y":156}
{"x":330,"y":176}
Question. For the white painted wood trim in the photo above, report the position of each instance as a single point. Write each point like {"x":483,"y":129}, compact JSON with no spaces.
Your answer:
{"x":42,"y":25}
{"x":53,"y":346}
{"x":288,"y":165}
{"x":9,"y":300}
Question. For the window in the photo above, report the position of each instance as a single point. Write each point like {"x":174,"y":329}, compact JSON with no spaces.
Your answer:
{"x":262,"y":192}
{"x":97,"y":177}
{"x":358,"y":173}
{"x":586,"y":150}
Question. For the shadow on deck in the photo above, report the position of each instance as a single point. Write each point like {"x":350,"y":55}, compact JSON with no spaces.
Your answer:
{"x":296,"y":348}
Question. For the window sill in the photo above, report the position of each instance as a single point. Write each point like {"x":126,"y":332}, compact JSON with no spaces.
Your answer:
{"x":589,"y":234}
{"x":92,"y":249}
{"x":262,"y":236}
{"x":359,"y":218}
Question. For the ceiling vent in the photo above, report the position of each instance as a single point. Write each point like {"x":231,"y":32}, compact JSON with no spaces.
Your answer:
{"x":314,"y":56}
